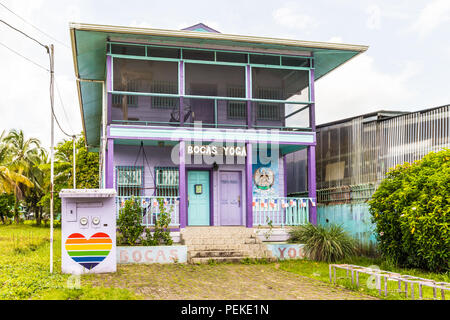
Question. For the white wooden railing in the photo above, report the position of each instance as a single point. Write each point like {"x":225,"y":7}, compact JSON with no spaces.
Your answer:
{"x":280,"y":211}
{"x":150,"y":208}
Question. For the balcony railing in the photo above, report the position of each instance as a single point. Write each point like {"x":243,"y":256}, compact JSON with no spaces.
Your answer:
{"x":280,"y":211}
{"x":212,"y":112}
{"x":275,"y":211}
{"x":150,"y":209}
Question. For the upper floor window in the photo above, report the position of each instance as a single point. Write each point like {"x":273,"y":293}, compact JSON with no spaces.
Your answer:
{"x":145,"y":75}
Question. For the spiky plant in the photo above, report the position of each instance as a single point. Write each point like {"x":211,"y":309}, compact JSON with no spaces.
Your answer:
{"x":323,"y":243}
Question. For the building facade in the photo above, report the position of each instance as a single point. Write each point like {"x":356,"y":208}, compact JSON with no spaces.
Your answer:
{"x":202,"y":121}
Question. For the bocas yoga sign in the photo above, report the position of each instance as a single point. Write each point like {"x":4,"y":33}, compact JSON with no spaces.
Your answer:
{"x":215,"y":150}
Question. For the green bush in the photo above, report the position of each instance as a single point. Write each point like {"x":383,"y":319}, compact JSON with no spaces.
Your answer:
{"x":411,"y":211}
{"x":161,"y":232}
{"x":323,"y":243}
{"x":129,"y":223}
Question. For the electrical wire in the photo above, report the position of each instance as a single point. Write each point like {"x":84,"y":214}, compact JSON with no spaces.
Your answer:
{"x":26,"y":35}
{"x":28,"y":59}
{"x":29,"y":23}
{"x":62,"y":105}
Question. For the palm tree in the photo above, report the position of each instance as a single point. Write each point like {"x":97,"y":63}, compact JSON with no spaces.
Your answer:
{"x":22,"y":153}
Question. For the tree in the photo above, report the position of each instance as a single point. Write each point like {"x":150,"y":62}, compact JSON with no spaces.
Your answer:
{"x":6,"y":205}
{"x":23,"y":152}
{"x":87,"y":175}
{"x":411,"y":209}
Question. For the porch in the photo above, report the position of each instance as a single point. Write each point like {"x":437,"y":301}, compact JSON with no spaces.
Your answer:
{"x":274,"y":211}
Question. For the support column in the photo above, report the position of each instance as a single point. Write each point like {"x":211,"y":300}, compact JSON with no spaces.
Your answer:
{"x":249,"y":186}
{"x":109,"y":165}
{"x":182,"y":185}
{"x":248,"y":77}
{"x":181,"y":91}
{"x":312,"y":184}
{"x":312,"y":152}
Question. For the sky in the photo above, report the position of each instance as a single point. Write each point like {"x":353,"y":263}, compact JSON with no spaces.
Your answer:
{"x":406,"y":67}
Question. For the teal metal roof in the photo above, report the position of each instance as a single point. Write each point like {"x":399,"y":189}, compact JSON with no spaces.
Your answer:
{"x":89,"y":54}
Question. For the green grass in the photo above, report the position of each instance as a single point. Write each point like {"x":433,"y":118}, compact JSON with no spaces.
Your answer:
{"x":320,"y":271}
{"x":25,"y":267}
{"x":24,"y":270}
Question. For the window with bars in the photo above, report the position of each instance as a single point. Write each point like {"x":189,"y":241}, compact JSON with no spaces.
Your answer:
{"x":236,"y":109}
{"x":129,"y":180}
{"x":132,"y":101}
{"x":268,"y":111}
{"x":164,"y":87}
{"x":166,"y":180}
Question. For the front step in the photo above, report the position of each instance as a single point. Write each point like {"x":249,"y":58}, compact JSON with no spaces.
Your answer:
{"x":223,"y":244}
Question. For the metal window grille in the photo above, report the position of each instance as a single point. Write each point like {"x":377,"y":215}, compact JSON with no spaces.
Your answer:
{"x":164,"y":87}
{"x":268,"y":111}
{"x":236,"y":109}
{"x":167,"y":179}
{"x":129,"y":180}
{"x":132,"y":101}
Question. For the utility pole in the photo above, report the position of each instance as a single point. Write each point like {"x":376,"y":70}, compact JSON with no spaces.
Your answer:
{"x":74,"y":170}
{"x":52,"y":75}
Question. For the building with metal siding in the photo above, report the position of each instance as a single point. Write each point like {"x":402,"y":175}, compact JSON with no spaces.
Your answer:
{"x":143,"y":92}
{"x":354,"y":154}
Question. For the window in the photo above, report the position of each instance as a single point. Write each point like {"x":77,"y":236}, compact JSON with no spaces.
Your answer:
{"x":146,"y":74}
{"x":166,"y":180}
{"x":129,"y":180}
{"x":132,"y":101}
{"x":268,"y":111}
{"x":164,"y":102}
{"x":198,"y":55}
{"x":128,"y":50}
{"x":236,"y":109}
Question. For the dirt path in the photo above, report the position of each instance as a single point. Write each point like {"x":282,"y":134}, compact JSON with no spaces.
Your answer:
{"x":221,"y":281}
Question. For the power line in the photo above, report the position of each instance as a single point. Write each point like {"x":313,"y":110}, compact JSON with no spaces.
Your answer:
{"x":35,"y":63}
{"x":62,"y":105}
{"x":26,"y":35}
{"x":29,"y":23}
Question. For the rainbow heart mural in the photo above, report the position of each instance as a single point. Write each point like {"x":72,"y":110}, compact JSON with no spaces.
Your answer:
{"x":88,"y":252}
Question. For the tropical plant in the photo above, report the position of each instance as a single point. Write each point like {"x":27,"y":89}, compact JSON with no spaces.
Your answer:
{"x":129,"y":224}
{"x":323,"y":243}
{"x":161,"y":232}
{"x":411,"y":210}
{"x":16,"y":154}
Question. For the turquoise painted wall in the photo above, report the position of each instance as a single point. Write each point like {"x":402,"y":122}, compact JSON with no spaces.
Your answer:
{"x":354,"y":218}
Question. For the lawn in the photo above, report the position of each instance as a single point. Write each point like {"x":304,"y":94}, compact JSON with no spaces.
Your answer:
{"x":24,"y":274}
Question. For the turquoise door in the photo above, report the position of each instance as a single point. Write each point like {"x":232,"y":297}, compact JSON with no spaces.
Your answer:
{"x":198,"y":198}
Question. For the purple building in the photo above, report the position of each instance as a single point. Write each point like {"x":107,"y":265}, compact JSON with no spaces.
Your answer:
{"x":202,"y":120}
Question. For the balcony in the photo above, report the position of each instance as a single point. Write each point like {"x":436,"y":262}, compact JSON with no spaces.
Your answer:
{"x":212,"y":112}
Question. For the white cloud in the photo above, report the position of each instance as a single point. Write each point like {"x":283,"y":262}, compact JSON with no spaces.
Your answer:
{"x":291,"y":17}
{"x":336,"y":39}
{"x":373,"y":21}
{"x":358,"y":87}
{"x":433,"y":15}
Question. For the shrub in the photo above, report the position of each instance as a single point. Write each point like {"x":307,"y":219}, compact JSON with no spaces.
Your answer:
{"x":411,"y":211}
{"x":129,"y":222}
{"x":323,"y":243}
{"x":161,"y":232}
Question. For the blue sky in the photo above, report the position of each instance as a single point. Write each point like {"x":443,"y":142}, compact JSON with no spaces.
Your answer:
{"x":405,"y":68}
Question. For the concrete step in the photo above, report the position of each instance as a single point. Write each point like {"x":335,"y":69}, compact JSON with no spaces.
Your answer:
{"x":216,"y":259}
{"x":216,"y":253}
{"x":219,"y":240}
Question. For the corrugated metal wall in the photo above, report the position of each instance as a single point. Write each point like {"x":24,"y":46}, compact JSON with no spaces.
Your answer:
{"x":353,"y":157}
{"x":354,"y":152}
